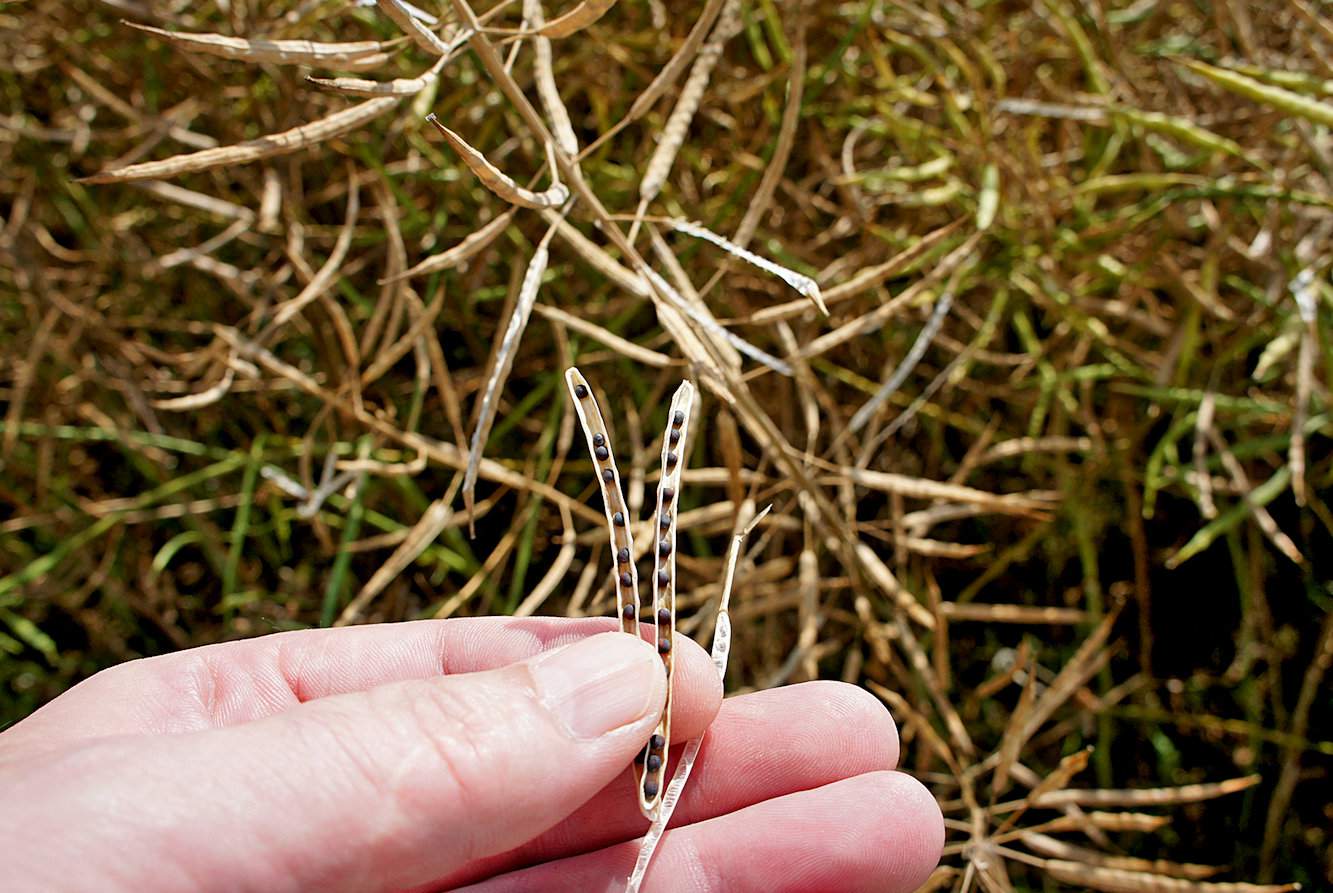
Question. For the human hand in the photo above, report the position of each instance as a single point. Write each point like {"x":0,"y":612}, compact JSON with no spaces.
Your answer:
{"x":439,"y":754}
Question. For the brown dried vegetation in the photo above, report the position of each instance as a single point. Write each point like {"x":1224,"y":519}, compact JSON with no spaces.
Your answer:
{"x":1044,"y":431}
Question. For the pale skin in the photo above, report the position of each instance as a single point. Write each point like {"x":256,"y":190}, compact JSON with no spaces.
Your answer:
{"x":489,"y":754}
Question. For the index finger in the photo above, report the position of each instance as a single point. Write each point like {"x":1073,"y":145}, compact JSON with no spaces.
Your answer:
{"x":237,"y":682}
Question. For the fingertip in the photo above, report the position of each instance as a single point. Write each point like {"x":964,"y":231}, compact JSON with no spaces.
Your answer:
{"x":910,"y":834}
{"x":696,"y":689}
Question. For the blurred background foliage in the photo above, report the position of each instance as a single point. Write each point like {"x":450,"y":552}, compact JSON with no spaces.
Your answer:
{"x":1136,"y":331}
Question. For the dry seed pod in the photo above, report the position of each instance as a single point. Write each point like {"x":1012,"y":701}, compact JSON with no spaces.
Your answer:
{"x":613,"y":500}
{"x":799,"y":281}
{"x":364,"y":87}
{"x":354,"y":56}
{"x":674,"y":440}
{"x":282,"y":143}
{"x":720,"y":651}
{"x":547,"y":91}
{"x":576,"y":19}
{"x":504,"y":361}
{"x":678,"y":124}
{"x":496,"y":180}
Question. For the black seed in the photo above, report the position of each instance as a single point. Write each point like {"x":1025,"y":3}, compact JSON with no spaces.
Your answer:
{"x":671,"y":460}
{"x":663,"y":578}
{"x":656,"y":742}
{"x":623,"y":556}
{"x":608,"y":475}
{"x":674,"y":436}
{"x":580,"y":391}
{"x":638,"y":757}
{"x":663,"y":617}
{"x":664,"y":646}
{"x":668,"y":494}
{"x":626,"y":579}
{"x":678,"y":419}
{"x":602,"y":453}
{"x":664,"y":548}
{"x":627,"y":612}
{"x":654,"y":763}
{"x":666,"y":522}
{"x":650,"y":789}
{"x":598,"y":440}
{"x":618,"y":519}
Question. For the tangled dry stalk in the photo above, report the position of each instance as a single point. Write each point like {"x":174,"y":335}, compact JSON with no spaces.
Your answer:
{"x":1044,"y":423}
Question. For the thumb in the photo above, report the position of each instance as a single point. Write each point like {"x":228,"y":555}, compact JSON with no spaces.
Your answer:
{"x":405,"y":783}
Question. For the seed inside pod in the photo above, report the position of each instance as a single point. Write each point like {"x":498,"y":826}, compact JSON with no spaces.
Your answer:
{"x":668,"y":494}
{"x":602,"y":453}
{"x":678,"y":419}
{"x":623,"y":556}
{"x":664,"y":548}
{"x":664,"y":646}
{"x":627,"y":612}
{"x":654,"y":763}
{"x":663,"y":577}
{"x":598,"y":440}
{"x":650,"y":789}
{"x":618,"y":519}
{"x":674,"y":436}
{"x":666,"y":522}
{"x":608,"y":475}
{"x":656,"y":742}
{"x":626,"y":580}
{"x":663,"y":616}
{"x":580,"y":391}
{"x":671,"y":460}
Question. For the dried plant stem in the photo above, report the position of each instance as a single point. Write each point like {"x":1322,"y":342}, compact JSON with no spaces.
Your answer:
{"x":777,"y":165}
{"x":472,"y":245}
{"x":1303,"y":287}
{"x":422,"y":36}
{"x":1203,"y":425}
{"x":328,"y":273}
{"x":918,"y":349}
{"x":613,"y":499}
{"x":436,"y":517}
{"x":720,"y":651}
{"x":715,"y":328}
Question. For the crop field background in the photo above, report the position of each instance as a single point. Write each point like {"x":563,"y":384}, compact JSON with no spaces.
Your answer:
{"x":1050,"y":475}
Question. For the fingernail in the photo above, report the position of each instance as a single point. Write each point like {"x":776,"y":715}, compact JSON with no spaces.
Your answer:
{"x":600,"y":684}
